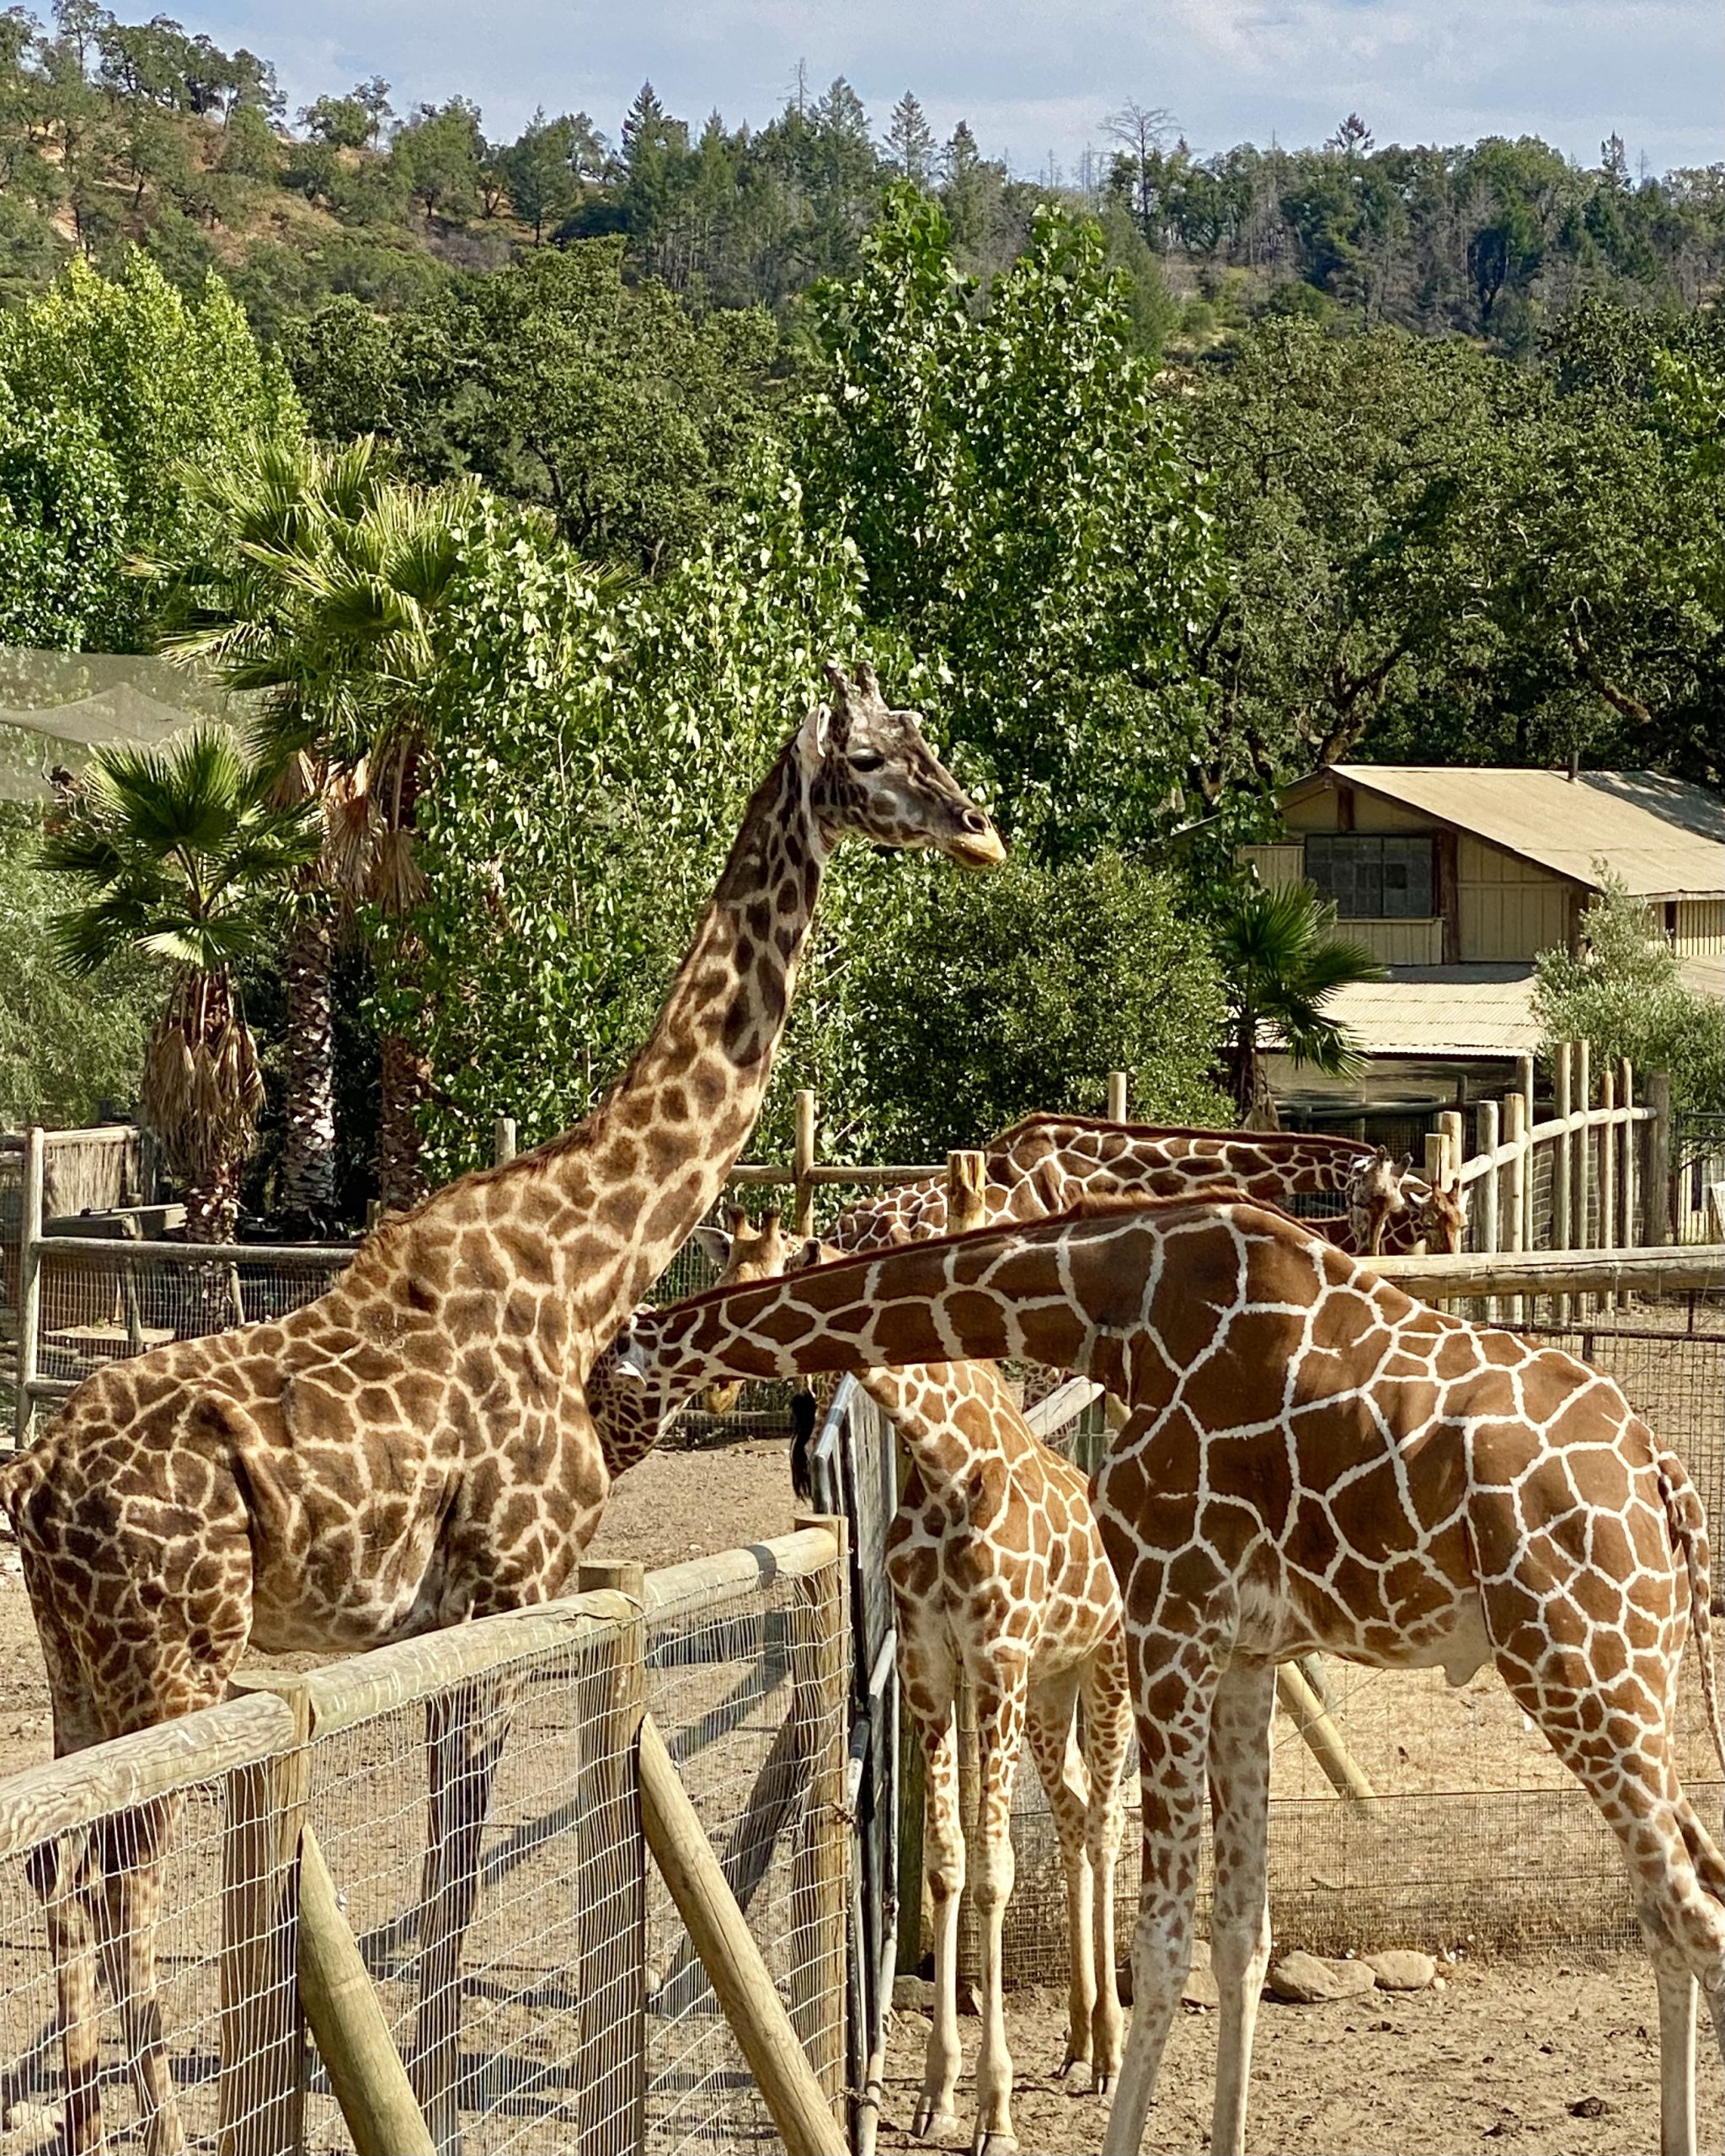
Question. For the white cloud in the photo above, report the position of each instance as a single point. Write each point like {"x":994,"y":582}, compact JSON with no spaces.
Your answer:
{"x":1036,"y":76}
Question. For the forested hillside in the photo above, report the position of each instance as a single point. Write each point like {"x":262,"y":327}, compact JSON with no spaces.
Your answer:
{"x":112,"y":132}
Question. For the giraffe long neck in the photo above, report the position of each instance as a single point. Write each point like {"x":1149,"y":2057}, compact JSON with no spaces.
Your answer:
{"x":649,"y":1161}
{"x":925,"y":1303}
{"x":946,"y":1446}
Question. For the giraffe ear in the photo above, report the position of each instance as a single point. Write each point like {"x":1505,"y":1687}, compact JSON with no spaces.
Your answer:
{"x":813,"y":738}
{"x":837,"y":675}
{"x":714,"y":1245}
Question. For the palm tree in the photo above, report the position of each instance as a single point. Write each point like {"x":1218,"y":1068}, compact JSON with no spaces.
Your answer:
{"x":325,"y":596}
{"x":184,"y":859}
{"x":1282,"y":962}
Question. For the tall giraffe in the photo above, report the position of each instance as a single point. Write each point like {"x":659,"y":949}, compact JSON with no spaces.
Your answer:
{"x":1047,"y":1164}
{"x":997,"y":1570}
{"x":1312,"y":1461}
{"x":415,"y":1448}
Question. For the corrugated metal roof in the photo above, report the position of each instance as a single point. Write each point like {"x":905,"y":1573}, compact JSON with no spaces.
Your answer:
{"x":1442,"y":1010}
{"x":1665,"y":838}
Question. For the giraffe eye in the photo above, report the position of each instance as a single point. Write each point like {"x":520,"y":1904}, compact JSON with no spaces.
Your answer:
{"x":866,"y":760}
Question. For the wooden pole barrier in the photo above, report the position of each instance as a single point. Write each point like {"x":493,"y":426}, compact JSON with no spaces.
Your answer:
{"x":821,"y":1892}
{"x":503,"y":1140}
{"x":1117,"y":1096}
{"x":1659,"y":1228}
{"x":739,"y":1977}
{"x":359,"y":2054}
{"x":1437,"y":1149}
{"x":802,"y":1162}
{"x":1311,"y":1718}
{"x":29,"y":1278}
{"x":611,"y":1888}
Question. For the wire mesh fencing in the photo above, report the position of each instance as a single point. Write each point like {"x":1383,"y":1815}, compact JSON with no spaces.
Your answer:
{"x":472,"y":1799}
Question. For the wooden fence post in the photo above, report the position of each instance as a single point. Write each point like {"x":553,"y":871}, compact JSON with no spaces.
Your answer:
{"x":503,"y":1140}
{"x":260,"y":2101}
{"x":612,"y":2085}
{"x":1437,"y":1150}
{"x":29,"y":1278}
{"x":1517,"y":1115}
{"x":967,"y":1179}
{"x":1117,"y":1096}
{"x":821,"y":1896}
{"x":1489,"y":1229}
{"x":1632,"y":1147}
{"x":1563,"y":1168}
{"x":1657,"y":1200}
{"x":803,"y":1161}
{"x":1607,"y":1236}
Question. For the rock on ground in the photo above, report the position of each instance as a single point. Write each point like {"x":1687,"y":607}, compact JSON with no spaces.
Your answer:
{"x":1304,"y":1980}
{"x":1402,"y":1969}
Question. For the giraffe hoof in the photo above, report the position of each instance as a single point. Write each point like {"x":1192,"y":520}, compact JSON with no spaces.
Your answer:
{"x":1074,"y":2076}
{"x":1000,"y":2142}
{"x":931,"y":2122}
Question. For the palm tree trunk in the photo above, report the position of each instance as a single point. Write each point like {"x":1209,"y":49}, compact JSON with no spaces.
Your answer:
{"x":308,"y":1148}
{"x":212,"y":1201}
{"x":404,"y":1085}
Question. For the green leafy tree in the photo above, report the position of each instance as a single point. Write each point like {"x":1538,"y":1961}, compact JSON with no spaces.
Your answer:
{"x":178,"y":858}
{"x":559,"y":386}
{"x":994,"y":996}
{"x":545,"y":168}
{"x":112,"y":395}
{"x":65,"y":1045}
{"x":1623,"y":993}
{"x":1030,"y":528}
{"x":1282,"y":962}
{"x":438,"y":155}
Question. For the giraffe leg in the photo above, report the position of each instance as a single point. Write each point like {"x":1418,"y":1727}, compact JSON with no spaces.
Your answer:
{"x":1176,"y":1678}
{"x":999,"y":1727}
{"x":1049,"y":1734}
{"x":1107,"y":1735}
{"x":928,"y":1695}
{"x":59,"y":1872}
{"x":127,"y":1905}
{"x":1240,"y":1922}
{"x":466,"y":1730}
{"x":1612,"y":1736}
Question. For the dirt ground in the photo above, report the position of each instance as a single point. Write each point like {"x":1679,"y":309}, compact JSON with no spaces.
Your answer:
{"x":1559,"y":2061}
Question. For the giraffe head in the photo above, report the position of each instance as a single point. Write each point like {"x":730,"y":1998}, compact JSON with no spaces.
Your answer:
{"x":1441,"y":1217}
{"x":1375,"y":1195}
{"x":742,"y":1251}
{"x":873,"y":776}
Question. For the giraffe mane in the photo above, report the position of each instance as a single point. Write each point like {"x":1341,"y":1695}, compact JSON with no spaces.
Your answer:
{"x":1046,"y":1119}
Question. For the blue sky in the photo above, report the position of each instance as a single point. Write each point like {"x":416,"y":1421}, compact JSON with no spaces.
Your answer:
{"x":1036,"y":78}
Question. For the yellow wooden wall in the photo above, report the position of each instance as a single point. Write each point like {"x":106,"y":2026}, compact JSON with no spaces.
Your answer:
{"x":1701,"y":928}
{"x":1508,"y":909}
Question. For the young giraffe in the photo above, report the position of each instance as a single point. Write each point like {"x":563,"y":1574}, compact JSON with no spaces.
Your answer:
{"x":1313,"y":1461}
{"x":996,"y":1569}
{"x":415,"y":1446}
{"x":1047,"y":1164}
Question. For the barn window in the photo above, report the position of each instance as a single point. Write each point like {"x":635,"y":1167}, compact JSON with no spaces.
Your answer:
{"x":1370,"y":876}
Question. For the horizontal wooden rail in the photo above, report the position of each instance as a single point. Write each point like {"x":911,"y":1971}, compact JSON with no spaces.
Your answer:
{"x":1548,"y":1133}
{"x":1063,"y":1405}
{"x":121,"y":1250}
{"x":776,"y":1177}
{"x":706,"y":1583}
{"x":63,"y":1795}
{"x":1670,"y":1269}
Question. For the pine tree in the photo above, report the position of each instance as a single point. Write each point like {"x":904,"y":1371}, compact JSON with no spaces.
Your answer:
{"x":910,"y":142}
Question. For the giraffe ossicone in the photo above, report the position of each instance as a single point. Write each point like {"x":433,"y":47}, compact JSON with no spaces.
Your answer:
{"x":415,"y":1446}
{"x":1312,"y":1462}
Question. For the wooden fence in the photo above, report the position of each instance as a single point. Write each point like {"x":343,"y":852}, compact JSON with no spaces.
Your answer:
{"x":308,"y":1999}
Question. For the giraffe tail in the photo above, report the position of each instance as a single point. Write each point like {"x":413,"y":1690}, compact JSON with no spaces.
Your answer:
{"x":1688,"y":1521}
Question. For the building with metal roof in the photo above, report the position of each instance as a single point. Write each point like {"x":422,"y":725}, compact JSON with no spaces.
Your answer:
{"x":1457,"y":878}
